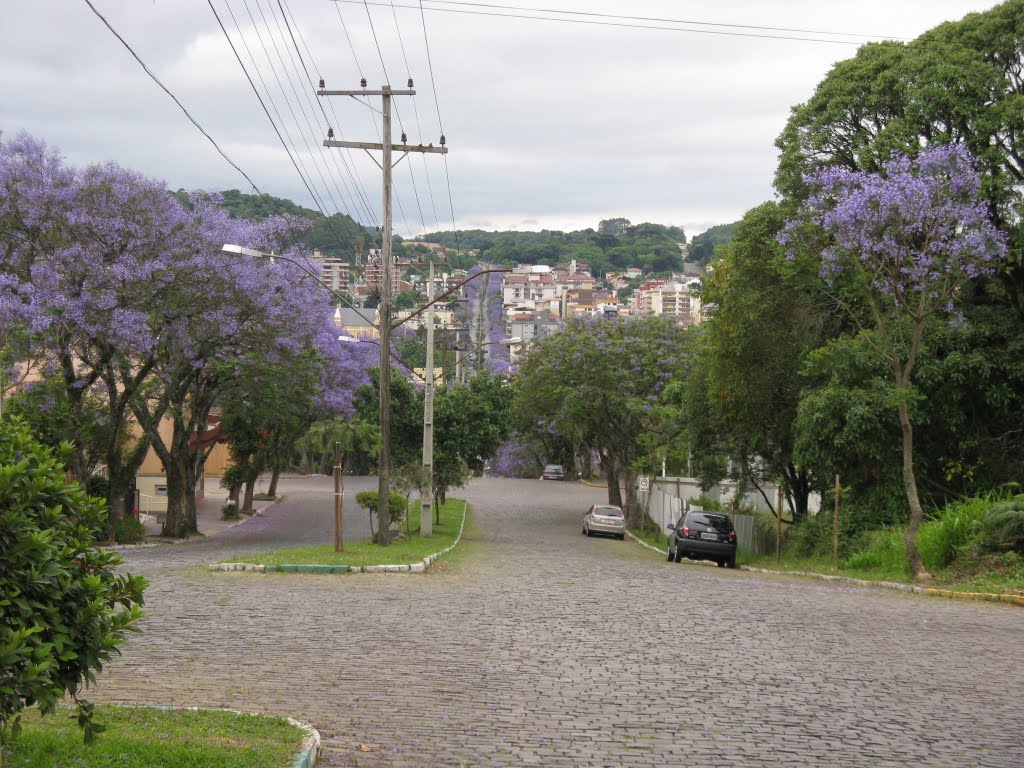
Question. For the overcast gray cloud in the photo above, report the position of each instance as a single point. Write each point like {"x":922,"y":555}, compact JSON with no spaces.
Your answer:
{"x":550,"y":125}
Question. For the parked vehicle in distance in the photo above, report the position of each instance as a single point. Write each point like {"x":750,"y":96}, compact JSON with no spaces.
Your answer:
{"x":553,"y":472}
{"x":700,"y":535}
{"x":605,"y":518}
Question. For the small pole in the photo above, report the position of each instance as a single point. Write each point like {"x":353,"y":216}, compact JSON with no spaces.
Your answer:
{"x":337,"y":498}
{"x":778,"y":524}
{"x":835,"y":528}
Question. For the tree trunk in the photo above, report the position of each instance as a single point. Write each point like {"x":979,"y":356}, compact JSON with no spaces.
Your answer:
{"x":917,"y":569}
{"x":272,"y":490}
{"x":178,"y":523}
{"x":250,"y":485}
{"x":632,"y":508}
{"x":614,"y":492}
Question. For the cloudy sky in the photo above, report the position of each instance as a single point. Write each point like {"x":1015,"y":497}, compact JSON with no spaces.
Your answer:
{"x":552,"y":120}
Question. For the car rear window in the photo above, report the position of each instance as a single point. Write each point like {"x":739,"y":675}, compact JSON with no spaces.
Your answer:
{"x":718,"y":522}
{"x":607,"y":511}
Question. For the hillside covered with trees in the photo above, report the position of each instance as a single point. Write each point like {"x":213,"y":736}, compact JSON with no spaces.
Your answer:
{"x":651,"y":247}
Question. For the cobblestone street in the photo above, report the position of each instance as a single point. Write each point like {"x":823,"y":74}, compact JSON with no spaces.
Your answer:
{"x":538,"y":646}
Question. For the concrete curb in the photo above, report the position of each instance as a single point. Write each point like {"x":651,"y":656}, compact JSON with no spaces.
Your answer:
{"x":309,"y":750}
{"x":1017,"y":600}
{"x":192,"y":539}
{"x":419,"y":567}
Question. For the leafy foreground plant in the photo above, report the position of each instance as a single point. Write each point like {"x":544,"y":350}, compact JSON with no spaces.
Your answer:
{"x":64,"y":608}
{"x":402,"y":551}
{"x":144,"y":737}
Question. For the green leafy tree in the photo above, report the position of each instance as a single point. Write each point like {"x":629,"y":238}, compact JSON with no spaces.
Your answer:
{"x":764,"y":323}
{"x":600,"y":381}
{"x":470,"y":422}
{"x":64,"y":605}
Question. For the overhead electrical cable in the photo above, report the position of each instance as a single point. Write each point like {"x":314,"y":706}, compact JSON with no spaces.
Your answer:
{"x":349,"y":167}
{"x":288,"y":102}
{"x":440,"y":124}
{"x":423,"y":157}
{"x":314,"y":132}
{"x":174,"y":98}
{"x":277,"y":131}
{"x":624,"y":25}
{"x":596,"y":14}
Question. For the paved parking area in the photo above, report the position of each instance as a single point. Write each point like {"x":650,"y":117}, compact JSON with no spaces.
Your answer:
{"x":539,"y":646}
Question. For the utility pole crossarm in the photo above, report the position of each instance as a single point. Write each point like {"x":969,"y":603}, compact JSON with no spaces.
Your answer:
{"x":367,"y":92}
{"x":426,"y":148}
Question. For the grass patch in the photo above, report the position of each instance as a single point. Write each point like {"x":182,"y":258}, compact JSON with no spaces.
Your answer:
{"x":403,"y":551}
{"x":144,"y":737}
{"x":652,"y":536}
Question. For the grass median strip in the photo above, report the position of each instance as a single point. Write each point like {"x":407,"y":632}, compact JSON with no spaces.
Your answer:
{"x":407,"y":550}
{"x":145,"y":737}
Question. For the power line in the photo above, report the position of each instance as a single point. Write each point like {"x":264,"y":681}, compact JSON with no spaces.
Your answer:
{"x":595,"y":14}
{"x":350,"y":169}
{"x":440,"y":124}
{"x":625,"y":25}
{"x":166,"y":90}
{"x":305,"y":183}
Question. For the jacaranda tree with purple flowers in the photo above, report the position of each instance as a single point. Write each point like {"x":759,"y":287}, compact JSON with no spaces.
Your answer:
{"x":126,"y":293}
{"x":901,"y":243}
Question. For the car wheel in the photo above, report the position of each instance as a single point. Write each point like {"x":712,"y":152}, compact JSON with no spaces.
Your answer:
{"x":732,"y":562}
{"x":679,"y":555}
{"x":670,"y":556}
{"x":720,"y":563}
{"x":589,"y":532}
{"x":622,"y":537}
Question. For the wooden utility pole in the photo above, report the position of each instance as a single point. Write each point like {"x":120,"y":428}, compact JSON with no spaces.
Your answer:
{"x":387,"y":264}
{"x":427,"y":489}
{"x":835,"y":528}
{"x":778,"y":523}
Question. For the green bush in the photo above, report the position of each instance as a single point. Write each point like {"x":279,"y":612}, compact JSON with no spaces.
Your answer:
{"x":64,"y":607}
{"x":1003,"y":527}
{"x":129,"y":530}
{"x":97,"y":485}
{"x":396,"y":504}
{"x":811,"y":537}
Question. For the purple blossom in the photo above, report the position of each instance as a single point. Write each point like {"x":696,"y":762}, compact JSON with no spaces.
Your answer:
{"x":917,"y":228}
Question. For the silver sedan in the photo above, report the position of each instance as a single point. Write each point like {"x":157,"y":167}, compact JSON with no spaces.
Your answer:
{"x":606,"y":519}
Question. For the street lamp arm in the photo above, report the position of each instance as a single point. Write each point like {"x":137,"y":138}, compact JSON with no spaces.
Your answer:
{"x":447,"y":293}
{"x":391,"y":354}
{"x":341,"y":298}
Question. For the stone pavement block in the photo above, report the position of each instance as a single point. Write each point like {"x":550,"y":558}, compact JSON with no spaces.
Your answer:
{"x":544,"y":647}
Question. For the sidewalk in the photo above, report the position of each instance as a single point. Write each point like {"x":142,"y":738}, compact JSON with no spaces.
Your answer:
{"x":209,"y":517}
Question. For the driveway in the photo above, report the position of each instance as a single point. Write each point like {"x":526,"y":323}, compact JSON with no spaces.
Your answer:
{"x":538,"y":646}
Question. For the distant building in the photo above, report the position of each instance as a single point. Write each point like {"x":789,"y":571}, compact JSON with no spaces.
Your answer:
{"x":357,"y":323}
{"x":334,"y":272}
{"x":373,"y":274}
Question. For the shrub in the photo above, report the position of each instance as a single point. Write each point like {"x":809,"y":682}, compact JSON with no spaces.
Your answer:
{"x":64,"y":607}
{"x":1003,"y":527}
{"x":129,"y":530}
{"x":396,"y":505}
{"x":229,"y":511}
{"x":810,"y":537}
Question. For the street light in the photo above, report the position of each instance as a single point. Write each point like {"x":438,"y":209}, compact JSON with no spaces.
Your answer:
{"x":383,"y":464}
